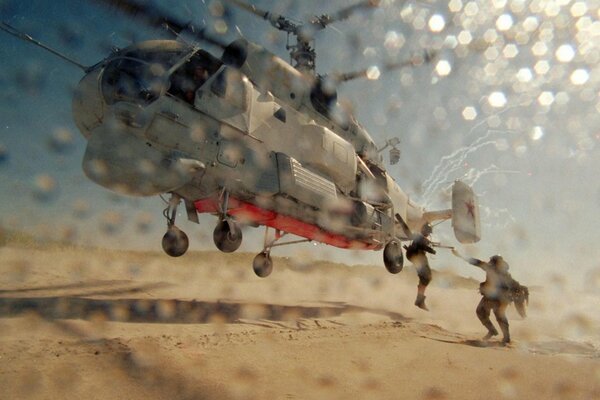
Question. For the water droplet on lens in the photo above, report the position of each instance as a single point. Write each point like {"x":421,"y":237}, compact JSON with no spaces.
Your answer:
{"x":579,"y":76}
{"x":45,"y":187}
{"x":537,"y":133}
{"x":143,"y":222}
{"x":469,"y":113}
{"x":61,"y":140}
{"x":546,"y":98}
{"x":373,"y":73}
{"x":565,"y":53}
{"x":524,"y":75}
{"x":497,"y":99}
{"x":31,"y":78}
{"x":443,"y":68}
{"x":3,"y":154}
{"x":81,"y":208}
{"x":504,"y":22}
{"x":437,"y":23}
{"x":71,"y":35}
{"x":111,"y":222}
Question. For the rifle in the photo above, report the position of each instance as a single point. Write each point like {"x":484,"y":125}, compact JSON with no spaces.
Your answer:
{"x":441,"y":246}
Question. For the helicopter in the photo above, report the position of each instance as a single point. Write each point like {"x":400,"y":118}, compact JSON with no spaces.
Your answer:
{"x":248,"y":137}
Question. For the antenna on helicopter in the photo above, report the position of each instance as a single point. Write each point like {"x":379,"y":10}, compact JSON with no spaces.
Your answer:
{"x":23,"y":36}
{"x":177,"y":35}
{"x":302,"y":52}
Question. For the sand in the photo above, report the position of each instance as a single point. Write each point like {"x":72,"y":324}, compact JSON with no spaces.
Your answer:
{"x":98,"y":324}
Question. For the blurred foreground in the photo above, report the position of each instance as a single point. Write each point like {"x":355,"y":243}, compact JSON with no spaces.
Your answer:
{"x":88,"y":323}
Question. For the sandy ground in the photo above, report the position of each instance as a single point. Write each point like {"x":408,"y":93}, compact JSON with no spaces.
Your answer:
{"x":96,"y":324}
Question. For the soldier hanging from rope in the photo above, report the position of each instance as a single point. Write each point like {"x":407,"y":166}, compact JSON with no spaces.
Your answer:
{"x":416,"y":253}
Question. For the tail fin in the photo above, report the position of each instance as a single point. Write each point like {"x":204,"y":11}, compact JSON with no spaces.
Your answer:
{"x":465,"y":214}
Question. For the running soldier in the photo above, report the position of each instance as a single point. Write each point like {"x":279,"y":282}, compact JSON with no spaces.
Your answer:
{"x":498,"y":290}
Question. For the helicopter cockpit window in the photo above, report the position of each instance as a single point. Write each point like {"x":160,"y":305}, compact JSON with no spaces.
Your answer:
{"x":138,"y":77}
{"x":188,"y":78}
{"x":380,"y":175}
{"x":280,"y":115}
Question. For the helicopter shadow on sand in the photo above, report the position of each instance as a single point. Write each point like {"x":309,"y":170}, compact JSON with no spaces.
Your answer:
{"x":123,"y":303}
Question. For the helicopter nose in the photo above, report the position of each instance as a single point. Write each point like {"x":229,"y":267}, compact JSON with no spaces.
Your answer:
{"x":87,"y":105}
{"x":125,"y":164}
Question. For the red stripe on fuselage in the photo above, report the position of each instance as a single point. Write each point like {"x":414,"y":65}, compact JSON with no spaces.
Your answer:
{"x":247,"y":212}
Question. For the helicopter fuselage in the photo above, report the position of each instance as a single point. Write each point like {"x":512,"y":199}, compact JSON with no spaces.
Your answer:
{"x":160,"y":117}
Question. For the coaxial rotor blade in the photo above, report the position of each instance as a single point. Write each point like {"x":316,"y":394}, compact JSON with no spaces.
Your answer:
{"x":156,"y":18}
{"x":320,"y":22}
{"x":250,"y":8}
{"x":414,"y":61}
{"x":278,"y":21}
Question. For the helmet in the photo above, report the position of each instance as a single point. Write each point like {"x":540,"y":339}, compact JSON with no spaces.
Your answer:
{"x":496,"y":259}
{"x":498,"y":262}
{"x":426,"y":229}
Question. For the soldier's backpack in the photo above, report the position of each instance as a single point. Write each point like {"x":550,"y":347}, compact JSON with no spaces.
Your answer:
{"x":519,"y":294}
{"x":509,"y":291}
{"x":513,"y":291}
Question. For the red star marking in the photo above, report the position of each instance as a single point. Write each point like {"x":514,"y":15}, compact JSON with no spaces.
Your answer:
{"x":470,"y":208}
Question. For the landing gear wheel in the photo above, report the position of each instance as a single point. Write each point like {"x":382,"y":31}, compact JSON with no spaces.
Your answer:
{"x":392,"y":257}
{"x":175,"y":242}
{"x":227,"y":236}
{"x":262,"y":264}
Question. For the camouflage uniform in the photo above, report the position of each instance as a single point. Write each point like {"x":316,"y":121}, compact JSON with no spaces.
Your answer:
{"x":498,"y":290}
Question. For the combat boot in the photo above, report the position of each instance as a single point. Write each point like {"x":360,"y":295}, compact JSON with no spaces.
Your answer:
{"x":491,"y":330}
{"x":420,"y":302}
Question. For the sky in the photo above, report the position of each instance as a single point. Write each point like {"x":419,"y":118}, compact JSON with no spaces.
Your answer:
{"x":511,"y":106}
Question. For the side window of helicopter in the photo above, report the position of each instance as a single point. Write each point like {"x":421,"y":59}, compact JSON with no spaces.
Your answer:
{"x":192,"y":75}
{"x":219,"y":85}
{"x":340,"y":152}
{"x":231,"y":86}
{"x":280,"y":115}
{"x":342,"y":117}
{"x":380,"y":176}
{"x":185,"y":82}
